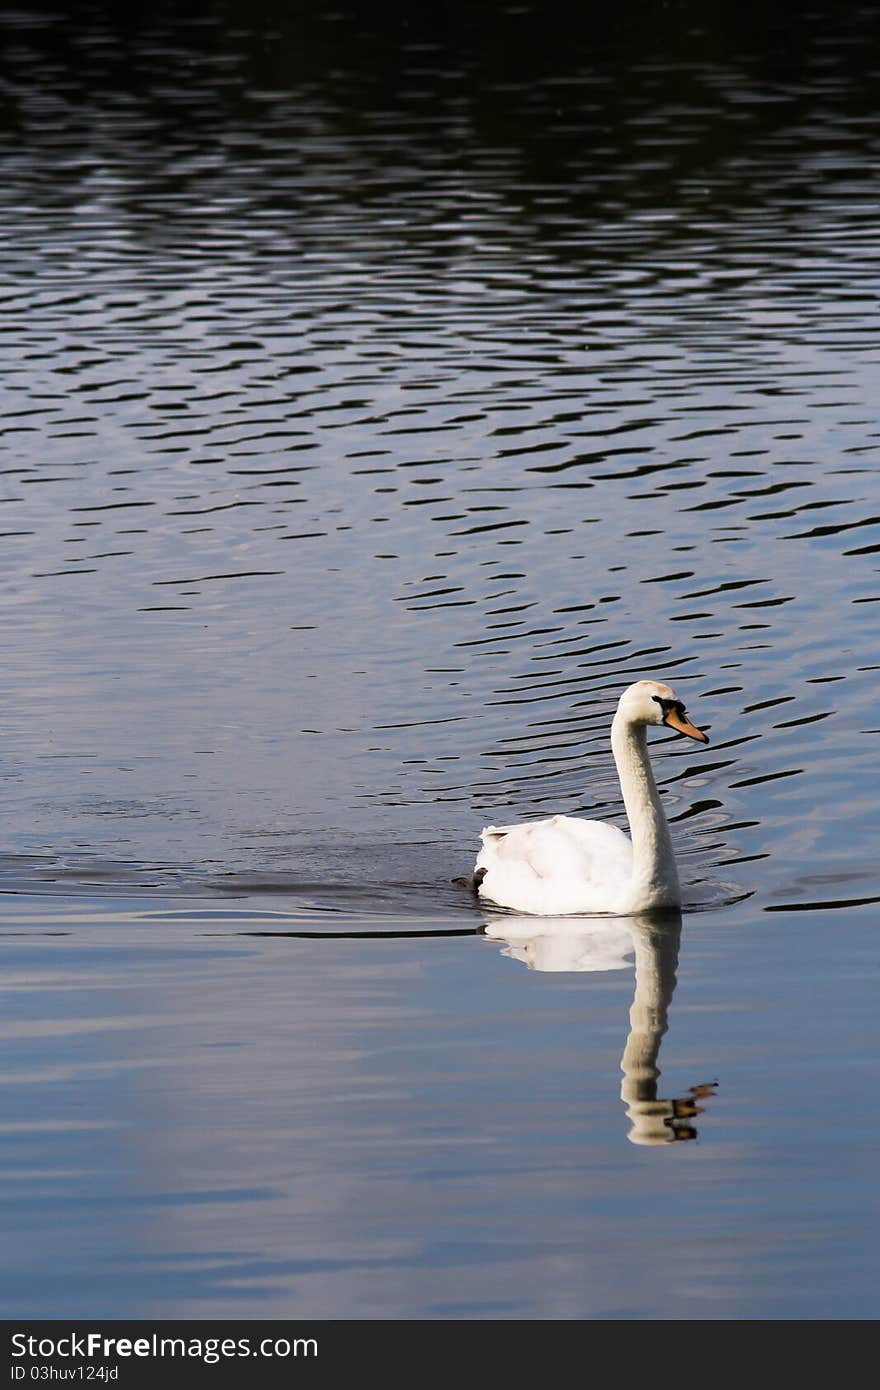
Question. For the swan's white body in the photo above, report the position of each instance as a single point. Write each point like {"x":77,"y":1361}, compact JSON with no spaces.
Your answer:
{"x":567,"y":865}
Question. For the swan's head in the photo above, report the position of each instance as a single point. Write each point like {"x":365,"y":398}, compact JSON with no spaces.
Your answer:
{"x":652,"y":702}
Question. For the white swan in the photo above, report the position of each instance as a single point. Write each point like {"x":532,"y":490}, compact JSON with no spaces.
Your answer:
{"x":567,"y":865}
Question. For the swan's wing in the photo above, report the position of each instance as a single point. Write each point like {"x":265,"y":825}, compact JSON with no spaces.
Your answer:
{"x":560,"y":865}
{"x":560,"y":844}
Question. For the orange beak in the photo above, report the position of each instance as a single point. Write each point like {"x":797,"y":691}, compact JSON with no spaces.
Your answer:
{"x":684,"y":726}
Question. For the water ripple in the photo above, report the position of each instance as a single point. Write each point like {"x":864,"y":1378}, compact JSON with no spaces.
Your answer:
{"x":315,"y":394}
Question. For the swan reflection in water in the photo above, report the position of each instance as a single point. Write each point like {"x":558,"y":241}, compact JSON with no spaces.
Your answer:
{"x":585,"y":943}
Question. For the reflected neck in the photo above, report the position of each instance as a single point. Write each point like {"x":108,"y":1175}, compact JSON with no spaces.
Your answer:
{"x":656,"y":961}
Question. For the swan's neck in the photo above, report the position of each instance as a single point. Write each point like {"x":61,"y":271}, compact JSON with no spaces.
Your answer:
{"x":655,"y":880}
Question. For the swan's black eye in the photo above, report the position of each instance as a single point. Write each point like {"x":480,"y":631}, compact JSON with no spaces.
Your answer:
{"x":668,"y":706}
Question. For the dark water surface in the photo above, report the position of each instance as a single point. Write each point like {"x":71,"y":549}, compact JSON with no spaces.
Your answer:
{"x":379,"y":398}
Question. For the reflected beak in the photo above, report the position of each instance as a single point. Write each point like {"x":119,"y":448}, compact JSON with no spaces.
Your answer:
{"x":684,"y":726}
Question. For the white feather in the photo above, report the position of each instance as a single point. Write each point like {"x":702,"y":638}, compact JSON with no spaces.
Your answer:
{"x":565,"y":865}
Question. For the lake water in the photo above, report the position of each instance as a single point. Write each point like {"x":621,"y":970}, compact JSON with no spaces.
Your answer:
{"x":379,"y":398}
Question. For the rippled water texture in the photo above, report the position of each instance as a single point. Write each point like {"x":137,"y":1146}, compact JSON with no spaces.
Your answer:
{"x":379,"y":398}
